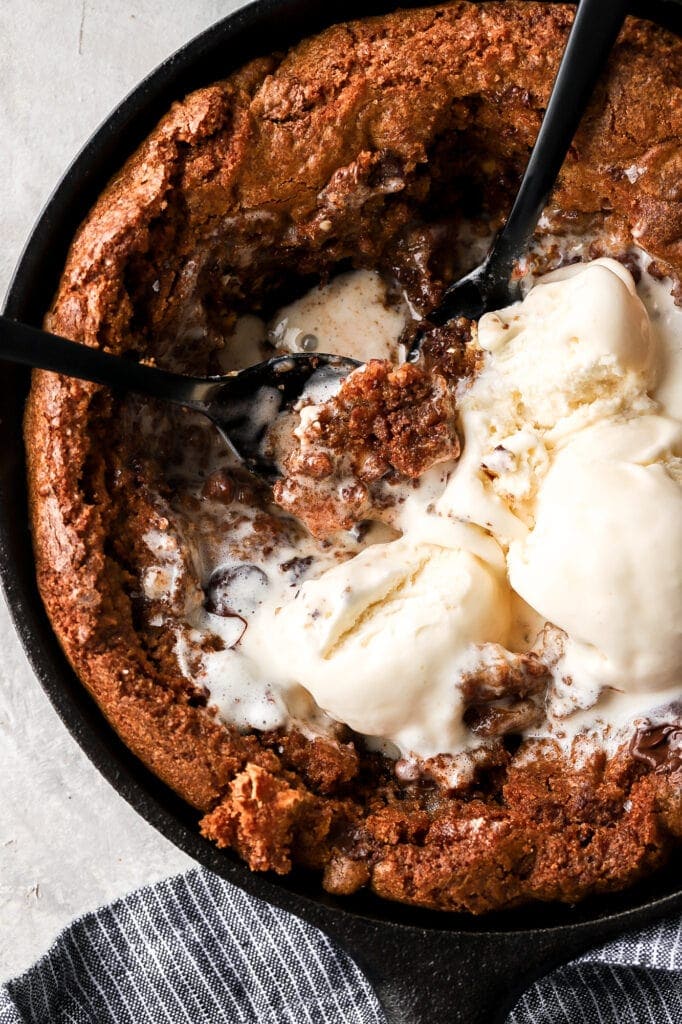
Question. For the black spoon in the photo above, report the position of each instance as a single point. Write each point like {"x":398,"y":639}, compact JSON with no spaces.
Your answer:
{"x":242,"y":405}
{"x":489,"y":286}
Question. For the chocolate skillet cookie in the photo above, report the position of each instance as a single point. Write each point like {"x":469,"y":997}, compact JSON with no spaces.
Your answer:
{"x":388,"y":147}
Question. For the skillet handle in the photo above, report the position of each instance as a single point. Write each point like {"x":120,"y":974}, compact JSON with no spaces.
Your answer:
{"x":440,"y":977}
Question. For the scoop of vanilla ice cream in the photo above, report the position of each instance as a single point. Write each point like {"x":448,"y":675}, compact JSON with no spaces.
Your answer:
{"x":578,"y":349}
{"x":382,"y":639}
{"x":604,"y":559}
{"x":581,"y":336}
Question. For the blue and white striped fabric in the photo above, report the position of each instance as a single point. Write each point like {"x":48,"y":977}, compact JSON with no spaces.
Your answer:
{"x":194,"y":949}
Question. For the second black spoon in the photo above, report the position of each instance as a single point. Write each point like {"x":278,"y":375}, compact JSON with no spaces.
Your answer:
{"x":489,"y":286}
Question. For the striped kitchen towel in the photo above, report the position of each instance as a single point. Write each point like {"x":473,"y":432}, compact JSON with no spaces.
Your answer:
{"x":194,"y":949}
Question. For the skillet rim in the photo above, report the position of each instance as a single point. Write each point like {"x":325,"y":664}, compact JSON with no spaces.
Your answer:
{"x":27,"y":297}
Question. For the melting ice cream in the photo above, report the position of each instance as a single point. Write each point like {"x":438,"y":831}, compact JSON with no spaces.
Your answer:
{"x":565,"y":509}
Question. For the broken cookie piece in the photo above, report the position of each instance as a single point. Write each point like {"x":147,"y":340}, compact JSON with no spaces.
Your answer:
{"x":386,"y":426}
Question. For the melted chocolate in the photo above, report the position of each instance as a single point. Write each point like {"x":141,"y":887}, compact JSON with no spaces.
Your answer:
{"x":659,"y":747}
{"x":235,"y":591}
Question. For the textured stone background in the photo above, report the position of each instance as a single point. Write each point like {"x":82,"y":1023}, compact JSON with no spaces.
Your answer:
{"x":68,"y":843}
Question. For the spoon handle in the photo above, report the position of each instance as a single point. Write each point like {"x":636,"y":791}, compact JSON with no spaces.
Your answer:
{"x":31,"y":346}
{"x":595,"y":28}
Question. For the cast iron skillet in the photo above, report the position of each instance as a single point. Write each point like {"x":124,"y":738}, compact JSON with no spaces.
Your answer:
{"x":426,"y":966}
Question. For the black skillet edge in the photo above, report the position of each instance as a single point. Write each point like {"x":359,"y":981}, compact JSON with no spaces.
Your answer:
{"x":426,"y":966}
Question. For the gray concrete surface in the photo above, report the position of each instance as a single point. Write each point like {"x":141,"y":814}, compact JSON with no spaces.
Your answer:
{"x":68,"y":843}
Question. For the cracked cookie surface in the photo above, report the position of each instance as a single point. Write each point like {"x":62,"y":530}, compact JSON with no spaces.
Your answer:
{"x":367,"y":146}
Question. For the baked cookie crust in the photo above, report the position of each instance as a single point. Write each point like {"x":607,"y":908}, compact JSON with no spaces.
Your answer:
{"x":365,"y":146}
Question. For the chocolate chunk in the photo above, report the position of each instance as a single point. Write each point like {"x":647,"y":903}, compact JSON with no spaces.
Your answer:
{"x":498,"y":720}
{"x":236,"y":591}
{"x":297,"y":567}
{"x":219,"y":487}
{"x":448,"y":350}
{"x":658,"y":746}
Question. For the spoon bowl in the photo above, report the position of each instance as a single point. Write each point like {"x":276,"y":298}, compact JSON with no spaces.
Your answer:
{"x":244,"y":405}
{"x":478,"y":292}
